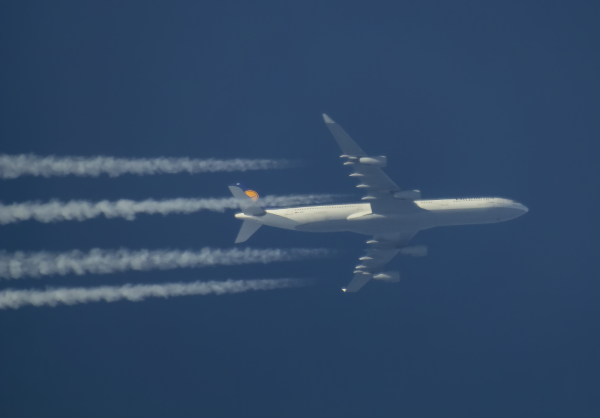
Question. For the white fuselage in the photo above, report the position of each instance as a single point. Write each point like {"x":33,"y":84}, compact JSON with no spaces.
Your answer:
{"x":398,"y":216}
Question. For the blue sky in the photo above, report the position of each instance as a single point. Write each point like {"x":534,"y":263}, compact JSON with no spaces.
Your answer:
{"x":465,"y":99}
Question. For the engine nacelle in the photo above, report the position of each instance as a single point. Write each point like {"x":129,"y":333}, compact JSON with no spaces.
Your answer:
{"x":414,"y":250}
{"x":388,"y":276}
{"x":408,"y":195}
{"x":376,"y":161}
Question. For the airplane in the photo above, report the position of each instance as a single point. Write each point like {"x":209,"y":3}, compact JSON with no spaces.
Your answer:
{"x":391,"y":215}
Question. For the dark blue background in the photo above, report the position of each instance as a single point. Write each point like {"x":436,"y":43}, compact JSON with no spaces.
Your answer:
{"x":465,"y":99}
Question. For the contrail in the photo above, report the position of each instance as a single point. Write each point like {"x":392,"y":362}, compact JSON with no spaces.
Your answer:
{"x":70,"y":296}
{"x":81,"y":210}
{"x":20,"y":265}
{"x":13,"y":166}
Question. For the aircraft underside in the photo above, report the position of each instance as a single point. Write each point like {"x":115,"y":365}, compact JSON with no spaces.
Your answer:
{"x":389,"y":214}
{"x":374,"y":224}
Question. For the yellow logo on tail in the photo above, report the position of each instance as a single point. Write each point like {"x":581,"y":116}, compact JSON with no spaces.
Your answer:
{"x":252,"y":194}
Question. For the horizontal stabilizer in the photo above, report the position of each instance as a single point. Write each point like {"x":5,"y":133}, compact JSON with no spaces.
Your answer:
{"x":248,"y":228}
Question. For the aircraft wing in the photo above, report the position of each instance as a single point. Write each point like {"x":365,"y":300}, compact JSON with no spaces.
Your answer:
{"x":383,"y":249}
{"x":376,"y":183}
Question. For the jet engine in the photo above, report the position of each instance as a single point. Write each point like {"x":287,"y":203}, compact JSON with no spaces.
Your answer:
{"x":376,"y":161}
{"x":408,"y":195}
{"x":414,"y":250}
{"x":388,"y":276}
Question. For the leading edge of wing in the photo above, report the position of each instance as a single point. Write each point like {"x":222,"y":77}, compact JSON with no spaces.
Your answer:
{"x":376,"y":183}
{"x":347,"y":144}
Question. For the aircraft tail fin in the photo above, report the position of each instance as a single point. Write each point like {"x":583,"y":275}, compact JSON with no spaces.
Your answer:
{"x":248,"y":228}
{"x":247,"y":198}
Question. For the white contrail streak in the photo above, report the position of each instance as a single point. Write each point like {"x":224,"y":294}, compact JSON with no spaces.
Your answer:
{"x":13,"y":166}
{"x":81,"y":210}
{"x":20,"y":265}
{"x":70,"y":296}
